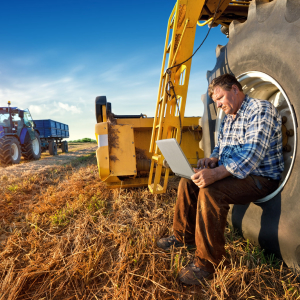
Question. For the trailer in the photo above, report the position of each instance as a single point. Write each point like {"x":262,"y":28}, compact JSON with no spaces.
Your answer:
{"x":52,"y":134}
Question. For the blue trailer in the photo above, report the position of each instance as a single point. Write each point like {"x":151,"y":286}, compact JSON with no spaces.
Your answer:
{"x":52,"y":134}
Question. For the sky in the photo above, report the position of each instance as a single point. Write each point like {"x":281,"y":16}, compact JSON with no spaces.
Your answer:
{"x":57,"y":56}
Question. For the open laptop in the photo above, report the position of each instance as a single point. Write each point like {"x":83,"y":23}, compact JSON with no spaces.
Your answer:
{"x":175,"y":158}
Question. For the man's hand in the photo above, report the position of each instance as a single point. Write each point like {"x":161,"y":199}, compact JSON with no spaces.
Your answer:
{"x":204,"y":177}
{"x":207,"y":163}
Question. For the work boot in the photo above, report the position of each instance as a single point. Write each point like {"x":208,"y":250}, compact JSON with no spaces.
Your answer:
{"x":192,"y":275}
{"x":166,"y":243}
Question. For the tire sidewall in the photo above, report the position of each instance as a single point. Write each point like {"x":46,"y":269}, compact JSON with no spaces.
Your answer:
{"x":55,"y":148}
{"x":52,"y":148}
{"x":64,"y":147}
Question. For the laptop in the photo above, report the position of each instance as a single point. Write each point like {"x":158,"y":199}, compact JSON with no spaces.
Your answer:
{"x":175,"y":157}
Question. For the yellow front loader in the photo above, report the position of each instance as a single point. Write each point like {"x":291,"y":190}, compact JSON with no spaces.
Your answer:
{"x":123,"y":154}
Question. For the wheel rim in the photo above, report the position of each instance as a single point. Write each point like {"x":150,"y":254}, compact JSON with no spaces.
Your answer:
{"x":14,"y":151}
{"x":262,"y":86}
{"x":35,"y":146}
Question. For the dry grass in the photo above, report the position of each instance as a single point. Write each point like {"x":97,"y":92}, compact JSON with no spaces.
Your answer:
{"x":65,"y":236}
{"x":72,"y":148}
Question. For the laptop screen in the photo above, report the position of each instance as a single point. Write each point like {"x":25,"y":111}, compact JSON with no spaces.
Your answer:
{"x":175,"y":157}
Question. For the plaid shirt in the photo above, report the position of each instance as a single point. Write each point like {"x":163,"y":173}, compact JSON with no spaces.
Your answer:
{"x":252,"y":142}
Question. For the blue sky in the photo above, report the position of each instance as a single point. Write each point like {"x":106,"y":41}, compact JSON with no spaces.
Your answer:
{"x":57,"y":56}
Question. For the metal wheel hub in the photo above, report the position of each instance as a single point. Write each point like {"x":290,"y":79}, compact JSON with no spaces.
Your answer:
{"x":14,"y":151}
{"x":35,"y":146}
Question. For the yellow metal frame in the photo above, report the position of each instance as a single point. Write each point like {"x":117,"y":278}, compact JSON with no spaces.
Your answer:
{"x":182,"y":22}
{"x":102,"y":153}
{"x":204,"y":23}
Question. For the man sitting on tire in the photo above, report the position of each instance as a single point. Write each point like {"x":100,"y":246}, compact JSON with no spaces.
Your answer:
{"x":245,"y":166}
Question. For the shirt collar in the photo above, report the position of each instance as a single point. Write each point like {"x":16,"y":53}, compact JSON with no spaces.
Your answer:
{"x":242,"y":108}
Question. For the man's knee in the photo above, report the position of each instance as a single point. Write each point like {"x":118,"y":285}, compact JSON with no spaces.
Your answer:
{"x":211,"y":195}
{"x":206,"y":190}
{"x":204,"y":194}
{"x":187,"y":187}
{"x":184,"y":183}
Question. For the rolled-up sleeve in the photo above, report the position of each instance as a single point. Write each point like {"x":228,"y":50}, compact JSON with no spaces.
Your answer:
{"x":215,"y":153}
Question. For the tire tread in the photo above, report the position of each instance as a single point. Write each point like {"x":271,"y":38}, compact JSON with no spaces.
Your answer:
{"x":5,"y":150}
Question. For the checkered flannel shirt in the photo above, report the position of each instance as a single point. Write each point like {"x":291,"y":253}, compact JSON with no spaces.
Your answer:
{"x":252,"y":142}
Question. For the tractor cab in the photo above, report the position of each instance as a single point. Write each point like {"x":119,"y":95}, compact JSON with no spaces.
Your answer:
{"x":13,"y":120}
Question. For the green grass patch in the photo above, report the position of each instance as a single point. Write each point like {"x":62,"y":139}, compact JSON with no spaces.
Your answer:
{"x":13,"y":188}
{"x":84,"y":140}
{"x":96,"y":204}
{"x":86,"y":157}
{"x":62,"y":216}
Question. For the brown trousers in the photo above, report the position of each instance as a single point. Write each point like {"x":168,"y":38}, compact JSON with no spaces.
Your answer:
{"x":200,"y":214}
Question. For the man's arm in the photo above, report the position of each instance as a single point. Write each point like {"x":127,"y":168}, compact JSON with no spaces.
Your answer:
{"x":208,"y":172}
{"x":213,"y":159}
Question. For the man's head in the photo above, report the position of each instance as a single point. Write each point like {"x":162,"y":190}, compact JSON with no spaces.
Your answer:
{"x":227,"y":93}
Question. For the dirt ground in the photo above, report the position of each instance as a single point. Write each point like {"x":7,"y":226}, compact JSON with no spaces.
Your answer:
{"x":26,"y":168}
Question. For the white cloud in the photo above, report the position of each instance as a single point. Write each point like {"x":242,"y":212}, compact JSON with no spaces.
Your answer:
{"x":71,"y":108}
{"x":35,"y":109}
{"x":56,"y":82}
{"x":68,"y":94}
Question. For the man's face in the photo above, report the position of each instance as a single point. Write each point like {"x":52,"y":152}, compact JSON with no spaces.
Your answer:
{"x":226,"y":100}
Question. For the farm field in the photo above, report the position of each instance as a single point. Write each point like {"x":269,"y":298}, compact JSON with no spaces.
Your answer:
{"x":47,"y":161}
{"x":63,"y":235}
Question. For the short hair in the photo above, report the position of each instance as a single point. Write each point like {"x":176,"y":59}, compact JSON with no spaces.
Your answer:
{"x":225,"y":81}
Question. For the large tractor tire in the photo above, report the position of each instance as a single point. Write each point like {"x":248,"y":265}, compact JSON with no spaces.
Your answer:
{"x":263,"y":53}
{"x":10,"y":150}
{"x":32,"y":150}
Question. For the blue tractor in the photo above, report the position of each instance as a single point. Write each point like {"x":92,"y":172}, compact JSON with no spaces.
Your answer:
{"x":18,"y":136}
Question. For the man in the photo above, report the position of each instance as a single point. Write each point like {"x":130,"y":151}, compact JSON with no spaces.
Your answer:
{"x":245,"y":166}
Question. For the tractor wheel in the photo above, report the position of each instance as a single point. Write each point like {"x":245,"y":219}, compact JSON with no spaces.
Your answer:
{"x":64,"y":147}
{"x":263,"y":53}
{"x":32,"y":150}
{"x":10,"y":150}
{"x":52,"y":148}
